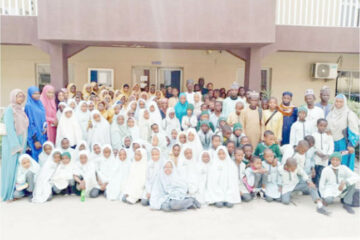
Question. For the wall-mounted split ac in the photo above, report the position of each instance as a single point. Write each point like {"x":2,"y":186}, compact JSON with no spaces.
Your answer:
{"x":324,"y":70}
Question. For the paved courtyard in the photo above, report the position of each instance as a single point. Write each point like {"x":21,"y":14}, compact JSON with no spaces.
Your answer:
{"x":99,"y":219}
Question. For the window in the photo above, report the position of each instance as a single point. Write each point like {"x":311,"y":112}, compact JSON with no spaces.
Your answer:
{"x":42,"y":75}
{"x":350,"y":13}
{"x":266,"y":79}
{"x":348,"y":83}
{"x":103,"y":76}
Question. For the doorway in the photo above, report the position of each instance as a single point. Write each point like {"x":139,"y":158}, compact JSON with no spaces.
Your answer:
{"x":170,"y":77}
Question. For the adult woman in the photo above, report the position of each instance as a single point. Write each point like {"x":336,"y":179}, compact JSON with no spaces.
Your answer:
{"x":181,"y":107}
{"x":71,"y":87}
{"x":48,"y":100}
{"x":35,"y":111}
{"x":344,"y":127}
{"x":13,"y":143}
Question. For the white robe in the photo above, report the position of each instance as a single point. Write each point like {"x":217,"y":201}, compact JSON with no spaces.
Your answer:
{"x":21,"y":171}
{"x":43,"y":156}
{"x":272,"y":180}
{"x":83,"y":119}
{"x":106,"y":168}
{"x":188,"y":170}
{"x":223,"y":180}
{"x":100,"y":131}
{"x":202,"y":178}
{"x":68,"y":128}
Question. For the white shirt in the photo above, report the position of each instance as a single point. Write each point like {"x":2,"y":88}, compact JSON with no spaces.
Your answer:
{"x":299,"y":130}
{"x":313,"y":115}
{"x":190,"y":97}
{"x":324,"y":144}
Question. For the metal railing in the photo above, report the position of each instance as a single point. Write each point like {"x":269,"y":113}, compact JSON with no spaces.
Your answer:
{"x":19,"y":7}
{"x":324,"y":13}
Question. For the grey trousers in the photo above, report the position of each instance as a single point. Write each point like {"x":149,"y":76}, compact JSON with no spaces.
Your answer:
{"x":29,"y":177}
{"x":177,"y":205}
{"x":303,"y":187}
{"x":95,"y":192}
{"x":246,"y":197}
{"x":58,"y":191}
{"x":347,"y":198}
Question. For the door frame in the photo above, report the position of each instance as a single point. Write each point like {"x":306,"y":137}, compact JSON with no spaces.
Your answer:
{"x":181,"y":69}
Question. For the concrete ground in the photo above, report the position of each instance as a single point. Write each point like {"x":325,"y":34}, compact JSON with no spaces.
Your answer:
{"x":67,"y":218}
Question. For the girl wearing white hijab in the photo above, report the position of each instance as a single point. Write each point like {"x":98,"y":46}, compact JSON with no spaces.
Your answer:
{"x":153,"y":170}
{"x":173,"y":136}
{"x":96,"y":155}
{"x":60,"y":110}
{"x":106,"y":169}
{"x":187,"y":167}
{"x":47,"y":148}
{"x":80,"y":147}
{"x":135,"y":183}
{"x":145,"y":125}
{"x":194,"y":142}
{"x":171,"y":121}
{"x":42,"y":191}
{"x":72,"y":103}
{"x":155,"y":114}
{"x":197,"y":104}
{"x":169,"y":192}
{"x":68,"y":128}
{"x":115,"y":188}
{"x":25,"y":176}
{"x":182,"y":138}
{"x":83,"y":117}
{"x":203,"y":167}
{"x":63,"y":178}
{"x":132,"y":107}
{"x":141,"y":105}
{"x":223,"y":185}
{"x":99,"y":129}
{"x":133,"y":128}
{"x":85,"y":175}
{"x":118,"y":131}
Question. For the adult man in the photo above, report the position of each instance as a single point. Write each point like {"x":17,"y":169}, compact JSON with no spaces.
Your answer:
{"x":190,"y":91}
{"x":324,"y":97}
{"x":201,"y":83}
{"x":230,"y":102}
{"x":289,"y":113}
{"x":314,"y":113}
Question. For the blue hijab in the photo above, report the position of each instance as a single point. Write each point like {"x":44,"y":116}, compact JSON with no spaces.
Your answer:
{"x":35,"y":111}
{"x":180,"y":108}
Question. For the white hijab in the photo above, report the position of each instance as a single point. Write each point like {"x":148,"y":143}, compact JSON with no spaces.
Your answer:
{"x":144,"y":126}
{"x":107,"y":166}
{"x":153,"y":169}
{"x":21,"y":171}
{"x":134,"y":131}
{"x":171,"y":123}
{"x":95,"y":158}
{"x":42,"y":190}
{"x":68,"y":128}
{"x":83,"y":118}
{"x":223,"y":180}
{"x":77,"y":149}
{"x":196,"y":144}
{"x":188,"y":170}
{"x":137,"y":176}
{"x":43,"y":156}
{"x":115,"y":188}
{"x":100,"y":131}
{"x":118,"y":132}
{"x":202,"y":177}
{"x":155,"y":116}
{"x":87,"y":171}
{"x":63,"y":174}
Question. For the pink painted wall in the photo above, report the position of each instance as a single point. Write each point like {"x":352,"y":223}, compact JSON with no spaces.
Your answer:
{"x":167,"y":21}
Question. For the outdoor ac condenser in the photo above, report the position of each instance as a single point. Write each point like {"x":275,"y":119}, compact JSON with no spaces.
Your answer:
{"x":324,"y":70}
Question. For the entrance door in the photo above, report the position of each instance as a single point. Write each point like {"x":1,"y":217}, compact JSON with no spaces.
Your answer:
{"x":170,"y":77}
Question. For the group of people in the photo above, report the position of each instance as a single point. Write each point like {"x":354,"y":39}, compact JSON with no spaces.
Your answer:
{"x":176,"y":151}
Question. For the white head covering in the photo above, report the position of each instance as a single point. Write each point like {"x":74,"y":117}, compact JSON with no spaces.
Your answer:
{"x":77,"y":149}
{"x":21,"y":171}
{"x":133,"y":131}
{"x":87,"y":171}
{"x":223,"y":180}
{"x":63,"y":174}
{"x":100,"y":131}
{"x":202,"y":177}
{"x":171,"y":123}
{"x":153,"y":168}
{"x":196,"y":144}
{"x":167,"y":187}
{"x":42,"y":189}
{"x":187,"y":169}
{"x":137,"y":175}
{"x":144,"y":127}
{"x":178,"y":138}
{"x":83,"y":118}
{"x":115,"y":188}
{"x":70,"y":101}
{"x":43,"y":156}
{"x":94,"y":157}
{"x":107,"y":165}
{"x":68,"y":128}
{"x":155,"y":116}
{"x":118,"y":132}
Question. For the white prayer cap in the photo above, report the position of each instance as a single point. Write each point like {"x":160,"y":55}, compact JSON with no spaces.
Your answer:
{"x":325,"y":89}
{"x":254,"y":94}
{"x":189,"y":81}
{"x":235,"y":86}
{"x":309,"y":92}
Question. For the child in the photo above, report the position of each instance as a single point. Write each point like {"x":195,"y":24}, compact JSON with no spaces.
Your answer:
{"x":239,"y":157}
{"x":230,"y":146}
{"x":273,"y":119}
{"x":290,"y":182}
{"x":115,"y":188}
{"x":175,"y":154}
{"x":171,"y":121}
{"x":153,"y":169}
{"x":65,"y":147}
{"x":173,"y":137}
{"x":80,"y":147}
{"x":25,"y":176}
{"x":205,"y":134}
{"x":300,"y":153}
{"x":182,"y":138}
{"x":223,"y":185}
{"x":187,"y":168}
{"x":243,"y":141}
{"x":235,"y":117}
{"x":271,"y":180}
{"x":135,"y":183}
{"x":95,"y":155}
{"x":338,"y":181}
{"x":106,"y":170}
{"x":60,"y":110}
{"x":69,"y":128}
{"x":145,"y":125}
{"x":42,"y":191}
{"x":83,"y":117}
{"x":47,"y":148}
{"x":203,"y":166}
{"x":237,"y":134}
{"x":189,"y":120}
{"x":169,"y":192}
{"x":63,"y":178}
{"x":85,"y":175}
{"x":253,"y":177}
{"x":220,"y":124}
{"x":205,"y":116}
{"x":309,"y":155}
{"x":324,"y":147}
{"x":300,"y":128}
{"x":248,"y":151}
{"x":226,"y":134}
{"x":133,"y":129}
{"x":194,"y":142}
{"x":215,"y":143}
{"x":269,"y":142}
{"x":98,"y":129}
{"x":118,"y":131}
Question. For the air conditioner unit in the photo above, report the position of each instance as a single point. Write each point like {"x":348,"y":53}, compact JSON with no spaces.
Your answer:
{"x":324,"y":70}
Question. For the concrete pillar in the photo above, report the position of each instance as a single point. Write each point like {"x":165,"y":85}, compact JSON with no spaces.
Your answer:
{"x":58,"y":66}
{"x":253,"y":70}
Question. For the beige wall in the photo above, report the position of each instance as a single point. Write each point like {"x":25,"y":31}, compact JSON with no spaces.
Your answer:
{"x":290,"y":71}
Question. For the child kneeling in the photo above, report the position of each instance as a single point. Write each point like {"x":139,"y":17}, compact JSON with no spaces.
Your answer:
{"x":25,"y":176}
